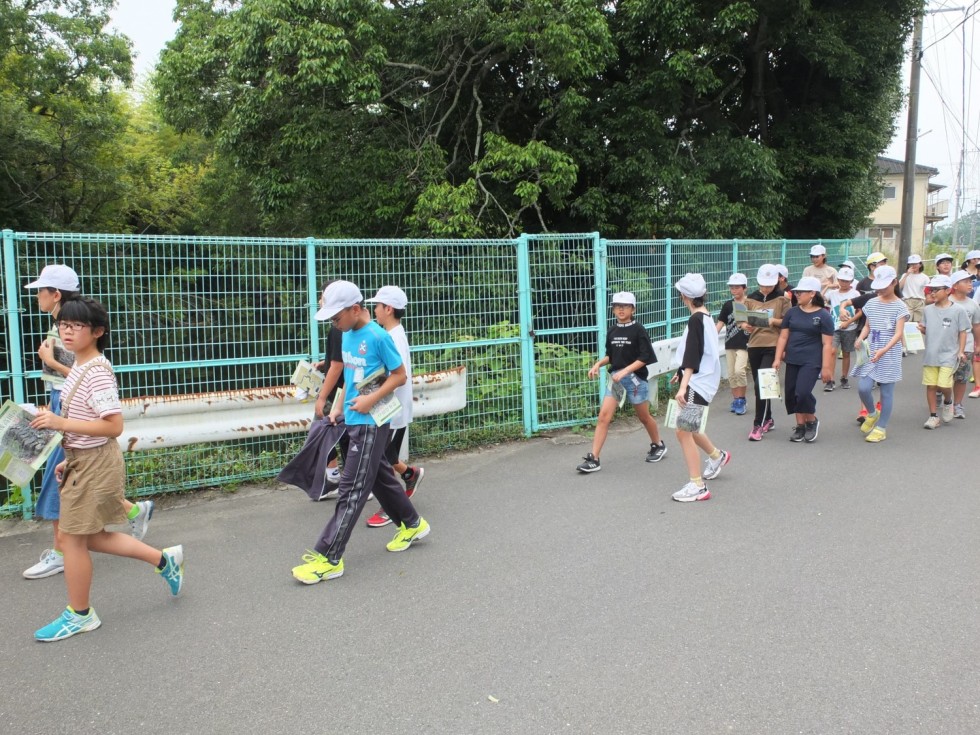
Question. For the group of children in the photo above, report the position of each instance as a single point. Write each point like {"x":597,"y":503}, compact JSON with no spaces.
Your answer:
{"x":84,"y":480}
{"x":804,"y":328}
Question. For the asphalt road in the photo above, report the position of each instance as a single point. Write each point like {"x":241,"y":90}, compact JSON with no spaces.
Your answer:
{"x":825,"y":588}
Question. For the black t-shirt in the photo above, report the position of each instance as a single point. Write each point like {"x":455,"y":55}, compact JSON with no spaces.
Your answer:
{"x":628,"y":343}
{"x":335,"y":353}
{"x":694,"y":345}
{"x":735,"y":338}
{"x":864,"y":285}
{"x":806,"y":330}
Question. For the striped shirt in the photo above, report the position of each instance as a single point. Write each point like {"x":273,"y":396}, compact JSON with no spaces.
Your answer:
{"x":97,"y":397}
{"x":883,"y":318}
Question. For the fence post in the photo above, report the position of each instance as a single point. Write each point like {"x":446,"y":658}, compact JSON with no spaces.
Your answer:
{"x":600,"y":260}
{"x":313,"y":293}
{"x":529,"y":386}
{"x":782,"y":256}
{"x":734,"y":256}
{"x":668,"y":284}
{"x":17,"y":371}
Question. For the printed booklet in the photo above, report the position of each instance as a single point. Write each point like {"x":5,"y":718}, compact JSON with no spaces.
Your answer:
{"x":691,"y":417}
{"x":913,"y":338}
{"x":307,"y":379}
{"x":755,"y":318}
{"x":769,"y":384}
{"x":23,"y":449}
{"x":388,"y":407}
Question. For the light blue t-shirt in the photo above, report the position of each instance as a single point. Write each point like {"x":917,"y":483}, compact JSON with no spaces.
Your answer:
{"x":364,"y":351}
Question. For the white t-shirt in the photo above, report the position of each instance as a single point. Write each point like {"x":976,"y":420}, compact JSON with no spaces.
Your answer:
{"x":834,"y":298}
{"x":914,"y":286}
{"x":404,"y":392}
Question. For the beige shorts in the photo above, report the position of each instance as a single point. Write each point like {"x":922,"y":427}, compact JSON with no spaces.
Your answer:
{"x":738,"y":368}
{"x":92,"y":489}
{"x":915,"y":307}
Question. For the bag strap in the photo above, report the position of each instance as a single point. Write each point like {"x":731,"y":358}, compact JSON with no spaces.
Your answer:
{"x":65,"y":402}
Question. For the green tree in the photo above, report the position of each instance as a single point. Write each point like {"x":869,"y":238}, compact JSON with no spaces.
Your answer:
{"x":60,"y":117}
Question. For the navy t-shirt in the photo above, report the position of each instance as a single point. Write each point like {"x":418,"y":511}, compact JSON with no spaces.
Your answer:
{"x":805,"y":345}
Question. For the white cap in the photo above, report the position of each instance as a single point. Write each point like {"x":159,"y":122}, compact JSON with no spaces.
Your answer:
{"x":944,"y":256}
{"x":738,"y":279}
{"x":884,"y":275}
{"x":818,"y":250}
{"x":783,"y":271}
{"x":336,"y":297}
{"x":56,"y":276}
{"x":940,"y":281}
{"x":958,"y":276}
{"x":913,"y":259}
{"x":845,"y":274}
{"x":692,"y":285}
{"x":624,"y":297}
{"x":767,"y":275}
{"x":848,"y":264}
{"x":973,"y":254}
{"x":390,"y":296}
{"x":807,"y":283}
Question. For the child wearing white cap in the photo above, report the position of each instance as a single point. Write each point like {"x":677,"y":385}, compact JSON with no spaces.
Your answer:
{"x":390,"y":303}
{"x":945,"y":327}
{"x":913,"y":284}
{"x":885,"y":317}
{"x":806,"y":345}
{"x":820,"y":269}
{"x":736,"y":343}
{"x":628,"y":352}
{"x":959,"y":294}
{"x":698,"y":375}
{"x":846,"y":328}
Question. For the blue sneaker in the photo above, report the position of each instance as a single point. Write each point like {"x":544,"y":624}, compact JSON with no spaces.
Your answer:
{"x":173,"y":573}
{"x":739,"y":407}
{"x":69,"y":624}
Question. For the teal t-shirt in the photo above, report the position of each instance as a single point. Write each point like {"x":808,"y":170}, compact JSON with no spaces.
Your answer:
{"x":364,"y":351}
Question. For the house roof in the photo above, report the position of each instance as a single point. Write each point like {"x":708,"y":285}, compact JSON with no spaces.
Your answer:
{"x":891,"y":166}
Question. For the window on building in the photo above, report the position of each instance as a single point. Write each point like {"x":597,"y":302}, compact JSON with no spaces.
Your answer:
{"x":888,"y":192}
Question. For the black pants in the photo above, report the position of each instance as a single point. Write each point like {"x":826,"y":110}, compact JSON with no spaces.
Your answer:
{"x":761,"y":358}
{"x":798,"y":389}
{"x":365,"y":471}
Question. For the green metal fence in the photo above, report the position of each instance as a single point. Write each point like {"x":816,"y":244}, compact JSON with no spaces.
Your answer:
{"x":198,"y":314}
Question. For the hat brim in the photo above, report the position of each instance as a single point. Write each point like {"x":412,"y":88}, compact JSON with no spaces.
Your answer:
{"x":35,"y":284}
{"x":877,"y":285}
{"x":327,"y":312}
{"x":767,"y":281}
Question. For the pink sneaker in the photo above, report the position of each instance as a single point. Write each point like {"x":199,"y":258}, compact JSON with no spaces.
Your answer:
{"x":756,"y":434}
{"x":768,"y":425}
{"x":378,"y":520}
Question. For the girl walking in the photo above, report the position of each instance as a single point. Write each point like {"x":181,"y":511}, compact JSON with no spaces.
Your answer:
{"x":806,"y":345}
{"x":56,"y":285}
{"x":762,"y":341}
{"x":92,"y":476}
{"x":885,"y":317}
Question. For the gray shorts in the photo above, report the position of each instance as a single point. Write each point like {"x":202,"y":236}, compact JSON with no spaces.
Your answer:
{"x":844,"y":339}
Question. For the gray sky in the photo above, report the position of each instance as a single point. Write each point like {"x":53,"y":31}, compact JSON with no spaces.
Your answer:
{"x":150,"y":25}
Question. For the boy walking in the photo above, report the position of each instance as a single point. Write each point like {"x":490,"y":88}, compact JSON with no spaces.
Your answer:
{"x":390,"y":303}
{"x":366,"y":348}
{"x":736,"y":342}
{"x":959,"y":295}
{"x":845,"y":329}
{"x":944,"y":326}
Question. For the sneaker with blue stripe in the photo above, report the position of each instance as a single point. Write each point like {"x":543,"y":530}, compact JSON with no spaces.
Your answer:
{"x":70,"y":623}
{"x":173,"y":573}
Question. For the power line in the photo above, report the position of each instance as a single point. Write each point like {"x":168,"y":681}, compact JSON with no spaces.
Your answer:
{"x":969,"y":13}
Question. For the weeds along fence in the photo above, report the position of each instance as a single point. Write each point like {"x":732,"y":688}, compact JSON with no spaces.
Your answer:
{"x":194,"y":314}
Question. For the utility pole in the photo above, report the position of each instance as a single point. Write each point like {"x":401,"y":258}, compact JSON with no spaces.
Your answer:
{"x":958,"y":200}
{"x":911,"y":138}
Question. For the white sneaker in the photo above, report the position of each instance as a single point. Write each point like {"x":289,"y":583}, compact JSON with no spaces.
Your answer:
{"x":51,"y":563}
{"x":139,"y":524}
{"x":333,"y":475}
{"x":947,"y":412}
{"x":691,"y":492}
{"x":712,"y":467}
{"x":932,"y":422}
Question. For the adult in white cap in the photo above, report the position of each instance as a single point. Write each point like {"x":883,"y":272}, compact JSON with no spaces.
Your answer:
{"x":806,"y":345}
{"x":628,"y":352}
{"x":58,"y":284}
{"x":945,"y":327}
{"x":845,"y":323}
{"x":961,"y":284}
{"x":736,"y":342}
{"x":762,"y":340}
{"x":944,"y":264}
{"x":913,"y":284}
{"x":820,"y":269}
{"x":885,"y":317}
{"x":697,"y":378}
{"x":373,"y":369}
{"x":390,"y":303}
